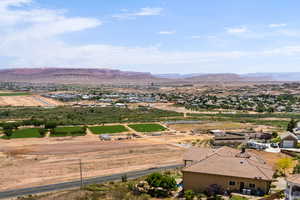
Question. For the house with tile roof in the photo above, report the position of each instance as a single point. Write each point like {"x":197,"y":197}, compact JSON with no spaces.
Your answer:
{"x":228,"y":169}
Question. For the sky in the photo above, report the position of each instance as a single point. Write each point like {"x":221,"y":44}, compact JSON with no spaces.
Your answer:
{"x":157,"y":36}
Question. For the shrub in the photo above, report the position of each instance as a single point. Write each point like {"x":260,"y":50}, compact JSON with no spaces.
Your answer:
{"x":238,"y":198}
{"x":164,"y":181}
{"x":296,"y":169}
{"x":42,"y":132}
{"x":189,"y":195}
{"x":161,"y":185}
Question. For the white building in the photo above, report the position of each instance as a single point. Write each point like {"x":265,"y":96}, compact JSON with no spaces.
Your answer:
{"x":292,"y":191}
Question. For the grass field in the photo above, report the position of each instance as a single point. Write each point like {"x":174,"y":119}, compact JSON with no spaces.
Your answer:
{"x":147,"y":127}
{"x":10,"y":94}
{"x":24,"y":133}
{"x":108,"y":129}
{"x":68,"y":131}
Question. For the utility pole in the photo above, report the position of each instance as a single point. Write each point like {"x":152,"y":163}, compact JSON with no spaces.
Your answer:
{"x":81,"y":179}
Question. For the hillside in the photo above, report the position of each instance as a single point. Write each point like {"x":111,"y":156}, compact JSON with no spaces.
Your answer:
{"x":75,"y":76}
{"x":110,"y":76}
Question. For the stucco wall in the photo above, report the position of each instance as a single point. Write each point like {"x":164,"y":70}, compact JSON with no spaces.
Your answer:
{"x":200,"y":182}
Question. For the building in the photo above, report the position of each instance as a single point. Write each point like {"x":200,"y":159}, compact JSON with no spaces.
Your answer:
{"x":293,"y":187}
{"x":230,"y":139}
{"x":288,"y":140}
{"x":226,"y":168}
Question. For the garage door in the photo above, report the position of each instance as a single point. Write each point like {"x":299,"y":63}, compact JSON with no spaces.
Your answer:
{"x":288,"y":144}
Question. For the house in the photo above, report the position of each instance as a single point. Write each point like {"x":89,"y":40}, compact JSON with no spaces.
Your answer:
{"x":228,"y":169}
{"x":230,"y":139}
{"x":261,"y":136}
{"x":288,"y":140}
{"x":292,"y":190}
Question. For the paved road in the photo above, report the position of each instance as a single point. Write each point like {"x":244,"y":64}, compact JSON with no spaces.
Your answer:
{"x":76,"y":184}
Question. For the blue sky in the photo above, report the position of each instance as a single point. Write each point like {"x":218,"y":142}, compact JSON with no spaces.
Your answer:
{"x":158,"y":36}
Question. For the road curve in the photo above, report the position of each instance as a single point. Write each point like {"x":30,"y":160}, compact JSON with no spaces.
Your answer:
{"x":76,"y":184}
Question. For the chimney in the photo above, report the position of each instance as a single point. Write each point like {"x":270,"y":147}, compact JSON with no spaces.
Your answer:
{"x":243,"y":150}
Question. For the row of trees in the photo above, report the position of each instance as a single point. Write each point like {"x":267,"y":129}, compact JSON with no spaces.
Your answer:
{"x":10,"y":127}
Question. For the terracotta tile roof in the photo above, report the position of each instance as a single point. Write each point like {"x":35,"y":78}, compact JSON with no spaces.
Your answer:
{"x":196,"y":154}
{"x":227,"y":161}
{"x":294,"y":179}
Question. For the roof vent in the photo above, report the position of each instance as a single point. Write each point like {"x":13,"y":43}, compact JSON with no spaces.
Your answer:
{"x":243,"y":154}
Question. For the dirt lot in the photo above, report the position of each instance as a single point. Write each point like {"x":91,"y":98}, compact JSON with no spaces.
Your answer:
{"x":270,"y":158}
{"x":33,"y":162}
{"x":32,"y":100}
{"x":204,"y":126}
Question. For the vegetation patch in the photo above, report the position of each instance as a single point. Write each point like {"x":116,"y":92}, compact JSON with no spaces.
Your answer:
{"x":24,"y":133}
{"x":11,"y":94}
{"x":147,"y":127}
{"x":66,"y":115}
{"x":68,"y":131}
{"x":108,"y":129}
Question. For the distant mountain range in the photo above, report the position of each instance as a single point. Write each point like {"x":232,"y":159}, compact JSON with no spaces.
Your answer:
{"x":110,"y":76}
{"x":284,"y":76}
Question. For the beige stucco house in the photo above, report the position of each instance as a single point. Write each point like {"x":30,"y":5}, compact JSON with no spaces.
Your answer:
{"x":230,"y":169}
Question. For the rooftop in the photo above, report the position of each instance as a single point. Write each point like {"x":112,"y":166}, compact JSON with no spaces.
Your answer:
{"x":227,"y":161}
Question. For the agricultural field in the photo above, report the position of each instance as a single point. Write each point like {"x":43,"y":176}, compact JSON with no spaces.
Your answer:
{"x":7,"y":94}
{"x":66,"y":115}
{"x":24,"y":133}
{"x":68,"y":131}
{"x":108,"y":129}
{"x":147,"y":127}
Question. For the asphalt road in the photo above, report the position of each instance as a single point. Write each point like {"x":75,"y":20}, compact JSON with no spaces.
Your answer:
{"x":76,"y":184}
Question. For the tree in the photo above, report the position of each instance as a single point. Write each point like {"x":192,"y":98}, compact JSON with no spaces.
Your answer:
{"x":42,"y":132}
{"x":50,"y":125}
{"x":291,"y":125}
{"x":297,"y":169}
{"x":283,"y":164}
{"x":8,"y":132}
{"x":274,"y":134}
{"x":276,"y":140}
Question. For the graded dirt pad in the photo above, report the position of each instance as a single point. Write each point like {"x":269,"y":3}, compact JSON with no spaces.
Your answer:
{"x":209,"y":126}
{"x":32,"y":100}
{"x":28,"y":164}
{"x":270,"y":158}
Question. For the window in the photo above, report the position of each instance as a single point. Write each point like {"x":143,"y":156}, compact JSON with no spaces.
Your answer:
{"x":251,"y":185}
{"x":231,"y":183}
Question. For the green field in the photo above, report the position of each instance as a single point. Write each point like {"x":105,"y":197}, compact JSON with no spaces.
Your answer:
{"x":147,"y":127}
{"x":24,"y":133}
{"x":68,"y":131}
{"x":9,"y":94}
{"x":108,"y":129}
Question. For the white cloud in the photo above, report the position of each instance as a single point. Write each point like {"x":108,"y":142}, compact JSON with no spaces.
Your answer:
{"x":236,"y":30}
{"x":196,"y":37}
{"x":30,"y":38}
{"x":148,"y":11}
{"x":276,"y":25}
{"x":166,"y":32}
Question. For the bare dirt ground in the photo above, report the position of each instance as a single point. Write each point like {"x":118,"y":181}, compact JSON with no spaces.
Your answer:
{"x":271,"y":158}
{"x":32,"y":100}
{"x":40,"y":161}
{"x":204,"y":126}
